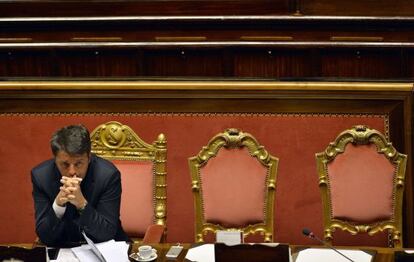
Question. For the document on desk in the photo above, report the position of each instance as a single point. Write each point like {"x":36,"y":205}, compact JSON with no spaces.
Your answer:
{"x":329,"y":255}
{"x":209,"y":252}
{"x":229,"y":237}
{"x":110,"y":251}
{"x":66,"y":255}
{"x":93,"y":248}
{"x":203,"y":253}
{"x":85,"y":254}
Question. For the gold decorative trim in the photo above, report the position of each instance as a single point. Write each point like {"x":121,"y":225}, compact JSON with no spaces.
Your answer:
{"x":357,"y":38}
{"x":233,"y":138}
{"x":247,"y":114}
{"x":180,"y":38}
{"x":362,"y":135}
{"x":15,"y":39}
{"x":115,"y":141}
{"x":205,"y":85}
{"x":266,"y":38}
{"x":96,"y":39}
{"x":205,"y":114}
{"x":210,"y":44}
{"x":387,"y":127}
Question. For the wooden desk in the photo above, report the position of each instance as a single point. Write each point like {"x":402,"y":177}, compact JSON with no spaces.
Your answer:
{"x":162,"y":249}
{"x":383,"y":254}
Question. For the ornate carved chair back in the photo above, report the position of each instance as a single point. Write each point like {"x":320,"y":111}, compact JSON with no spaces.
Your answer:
{"x":143,"y":175}
{"x":361,"y":179}
{"x":233,"y":182}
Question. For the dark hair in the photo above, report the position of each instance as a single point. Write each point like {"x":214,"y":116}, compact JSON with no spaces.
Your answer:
{"x":73,"y":139}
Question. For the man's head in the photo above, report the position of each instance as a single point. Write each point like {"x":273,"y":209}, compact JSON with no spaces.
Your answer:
{"x":71,"y":146}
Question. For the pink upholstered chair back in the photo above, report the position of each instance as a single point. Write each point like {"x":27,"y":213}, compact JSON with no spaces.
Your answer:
{"x":143,"y":176}
{"x":234,"y":186}
{"x":369,"y":177}
{"x":234,"y":182}
{"x":361,"y":179}
{"x":137,"y":205}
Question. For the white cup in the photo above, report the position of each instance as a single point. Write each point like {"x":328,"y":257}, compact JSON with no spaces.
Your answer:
{"x":145,"y":252}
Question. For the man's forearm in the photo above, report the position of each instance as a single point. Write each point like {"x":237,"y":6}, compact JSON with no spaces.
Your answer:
{"x":49,"y":228}
{"x":98,"y":226}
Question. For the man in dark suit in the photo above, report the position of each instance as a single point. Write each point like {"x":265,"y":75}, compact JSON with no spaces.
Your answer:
{"x":76,"y":191}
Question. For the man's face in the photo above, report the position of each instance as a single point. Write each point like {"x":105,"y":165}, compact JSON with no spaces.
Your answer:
{"x":72,"y":165}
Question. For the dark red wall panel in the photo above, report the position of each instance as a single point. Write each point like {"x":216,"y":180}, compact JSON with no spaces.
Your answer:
{"x":293,"y":138}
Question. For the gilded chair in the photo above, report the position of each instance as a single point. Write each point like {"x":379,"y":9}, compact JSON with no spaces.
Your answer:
{"x":361,"y":180}
{"x":143,"y":178}
{"x":233,"y":183}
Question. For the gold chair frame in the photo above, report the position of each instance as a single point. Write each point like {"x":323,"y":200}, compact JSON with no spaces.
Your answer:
{"x":115,"y":141}
{"x":363,"y":135}
{"x":233,"y":138}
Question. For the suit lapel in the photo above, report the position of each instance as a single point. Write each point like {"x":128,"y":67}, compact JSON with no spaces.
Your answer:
{"x":55,"y":183}
{"x":87,"y":185}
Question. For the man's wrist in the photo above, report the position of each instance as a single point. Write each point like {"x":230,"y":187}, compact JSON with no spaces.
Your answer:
{"x":83,"y":206}
{"x":60,"y":204}
{"x":59,"y":210}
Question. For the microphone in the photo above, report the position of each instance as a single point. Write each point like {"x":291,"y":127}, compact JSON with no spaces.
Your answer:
{"x":311,"y":235}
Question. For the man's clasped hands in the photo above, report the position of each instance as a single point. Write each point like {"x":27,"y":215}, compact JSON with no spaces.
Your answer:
{"x":71,"y":192}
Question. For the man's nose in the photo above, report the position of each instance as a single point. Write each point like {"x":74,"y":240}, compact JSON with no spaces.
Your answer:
{"x":72,"y":170}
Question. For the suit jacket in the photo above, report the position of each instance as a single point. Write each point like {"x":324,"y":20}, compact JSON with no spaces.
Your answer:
{"x":100,"y":219}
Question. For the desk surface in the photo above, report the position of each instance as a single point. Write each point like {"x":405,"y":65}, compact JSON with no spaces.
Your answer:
{"x":382,"y":255}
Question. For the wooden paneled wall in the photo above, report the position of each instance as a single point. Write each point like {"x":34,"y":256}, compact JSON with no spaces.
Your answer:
{"x":41,"y":8}
{"x":264,"y":47}
{"x":292,"y":40}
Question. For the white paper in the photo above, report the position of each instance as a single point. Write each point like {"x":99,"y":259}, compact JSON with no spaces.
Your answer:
{"x":85,"y":254}
{"x":230,"y":238}
{"x":329,"y":255}
{"x":203,"y":253}
{"x":114,"y":251}
{"x":93,"y":248}
{"x":206,"y":252}
{"x":111,"y":250}
{"x":65,"y":255}
{"x":269,"y":244}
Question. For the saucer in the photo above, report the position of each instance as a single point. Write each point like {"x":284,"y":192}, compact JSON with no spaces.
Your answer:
{"x":136,"y":257}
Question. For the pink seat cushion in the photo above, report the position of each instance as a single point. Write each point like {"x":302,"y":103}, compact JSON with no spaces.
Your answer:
{"x":361,"y":183}
{"x":137,"y":209}
{"x":233,"y":188}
